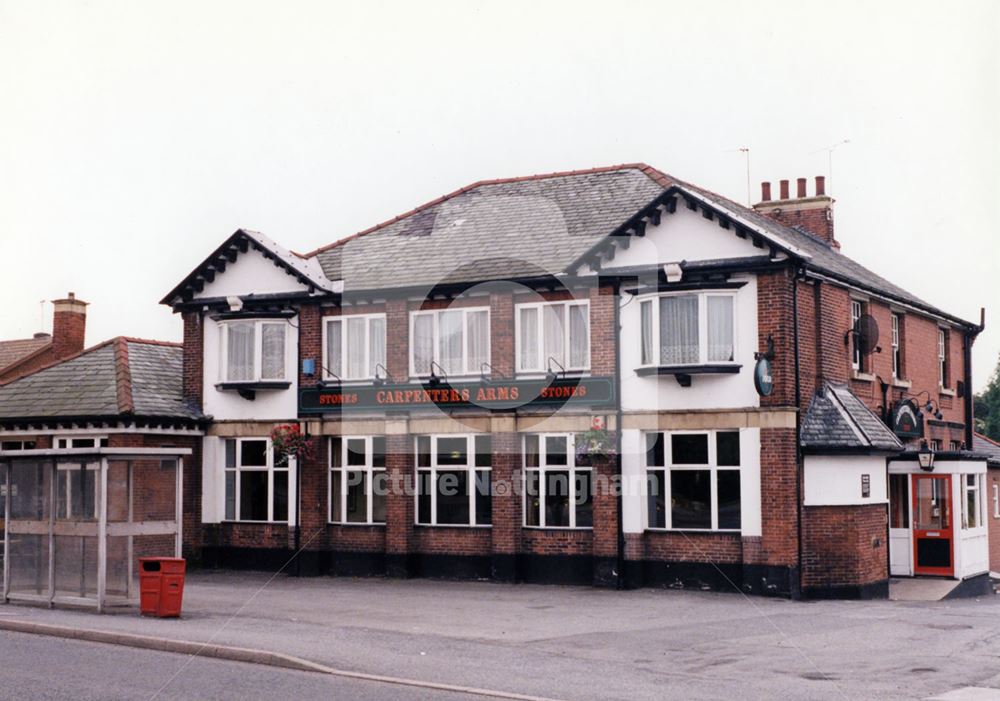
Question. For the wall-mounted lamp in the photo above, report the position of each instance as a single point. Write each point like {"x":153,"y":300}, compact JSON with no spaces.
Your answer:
{"x":379,"y":379}
{"x":925,"y":457}
{"x":551,"y":374}
{"x":436,"y":379}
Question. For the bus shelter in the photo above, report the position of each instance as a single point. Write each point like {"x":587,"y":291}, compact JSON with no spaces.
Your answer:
{"x":76,"y":521}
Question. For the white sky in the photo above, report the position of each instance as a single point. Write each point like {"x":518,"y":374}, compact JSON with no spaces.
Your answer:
{"x":135,"y":136}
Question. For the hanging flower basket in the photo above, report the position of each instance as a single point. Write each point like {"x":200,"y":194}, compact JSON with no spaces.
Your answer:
{"x":597,"y":441}
{"x":288,"y":442}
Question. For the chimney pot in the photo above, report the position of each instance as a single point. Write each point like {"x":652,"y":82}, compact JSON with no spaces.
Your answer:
{"x":801,"y":187}
{"x":820,"y":185}
{"x":41,"y":335}
{"x":765,"y":191}
{"x":784,"y":189}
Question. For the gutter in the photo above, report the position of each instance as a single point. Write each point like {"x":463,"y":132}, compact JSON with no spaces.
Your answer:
{"x":967,"y":340}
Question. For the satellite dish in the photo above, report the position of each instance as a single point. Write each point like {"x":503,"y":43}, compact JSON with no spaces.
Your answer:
{"x":865,"y":332}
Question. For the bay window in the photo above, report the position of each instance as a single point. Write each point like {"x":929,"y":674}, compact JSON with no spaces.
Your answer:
{"x":257,"y":485}
{"x":353,"y":346}
{"x":456,"y":340}
{"x":253,"y":350}
{"x":453,"y":480}
{"x":693,"y":480}
{"x":688,"y":329}
{"x":553,"y":331}
{"x":357,"y":479}
{"x":558,"y":482}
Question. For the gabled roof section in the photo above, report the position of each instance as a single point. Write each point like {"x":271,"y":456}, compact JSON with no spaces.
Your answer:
{"x":988,"y":447}
{"x":839,"y":421}
{"x":19,"y":350}
{"x":122,"y":377}
{"x":307,"y":271}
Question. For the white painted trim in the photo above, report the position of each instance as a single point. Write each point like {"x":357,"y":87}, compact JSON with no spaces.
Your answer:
{"x":435,"y":315}
{"x":103,"y":432}
{"x":702,"y":297}
{"x":341,"y":372}
{"x":96,"y":452}
{"x":543,"y":361}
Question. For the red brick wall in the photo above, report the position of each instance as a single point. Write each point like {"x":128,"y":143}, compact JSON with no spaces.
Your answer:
{"x":68,"y":331}
{"x":310,"y":343}
{"x":602,"y":330}
{"x":993,"y":523}
{"x":194,"y":352}
{"x":774,"y":319}
{"x":778,"y":498}
{"x":844,"y":545}
{"x":689,"y":547}
{"x":506,"y":502}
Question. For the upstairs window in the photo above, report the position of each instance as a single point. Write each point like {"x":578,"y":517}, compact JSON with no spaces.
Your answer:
{"x":253,"y":351}
{"x":897,"y":351}
{"x":942,"y":353}
{"x":857,"y":357}
{"x":78,"y":442}
{"x":457,"y":341}
{"x":17,"y":445}
{"x":553,"y":336}
{"x":354,"y":347}
{"x":688,"y":329}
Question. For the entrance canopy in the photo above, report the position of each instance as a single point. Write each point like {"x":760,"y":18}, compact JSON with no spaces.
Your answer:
{"x":76,"y":521}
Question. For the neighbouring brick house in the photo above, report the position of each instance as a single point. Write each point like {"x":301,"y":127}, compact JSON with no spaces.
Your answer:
{"x":991,"y":448}
{"x":69,"y":324}
{"x":484,"y":357}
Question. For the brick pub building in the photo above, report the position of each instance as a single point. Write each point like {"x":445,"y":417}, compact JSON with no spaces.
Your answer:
{"x":474,"y":373}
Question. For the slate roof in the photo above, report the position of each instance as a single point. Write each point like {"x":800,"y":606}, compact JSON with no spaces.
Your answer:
{"x":12,"y":352}
{"x":521,"y":227}
{"x":990,"y":448}
{"x":838,"y":420}
{"x":122,"y":377}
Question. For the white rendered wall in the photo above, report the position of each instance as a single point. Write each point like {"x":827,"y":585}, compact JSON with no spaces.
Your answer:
{"x":212,"y":484}
{"x":251,"y":273}
{"x":722,"y":391}
{"x":269,"y":405}
{"x":835,"y":480}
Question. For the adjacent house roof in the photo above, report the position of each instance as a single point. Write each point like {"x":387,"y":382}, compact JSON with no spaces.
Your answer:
{"x":122,"y":377}
{"x":14,"y":352}
{"x":986,"y":446}
{"x":838,"y":421}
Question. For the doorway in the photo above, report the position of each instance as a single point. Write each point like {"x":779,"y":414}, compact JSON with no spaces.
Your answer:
{"x":932,"y":525}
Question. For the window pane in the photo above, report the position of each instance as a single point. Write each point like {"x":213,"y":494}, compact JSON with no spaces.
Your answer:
{"x":552,"y":335}
{"x":231,"y":495}
{"x":280,"y":495}
{"x":380,"y":486}
{"x":720,"y":328}
{"x":579,"y":336}
{"x":239,"y":358}
{"x":423,"y":497}
{"x":376,"y":346}
{"x":378,"y":451}
{"x":357,"y":497}
{"x":230,"y":452}
{"x":452,"y":451}
{"x":689,"y":449}
{"x":690,"y":498}
{"x":453,"y":497}
{"x":272,"y":364}
{"x":584,"y":500}
{"x":654,"y":450}
{"x":333,"y":348}
{"x":423,"y":451}
{"x":656,"y":503}
{"x":899,"y":501}
{"x":531,"y":451}
{"x":555,"y":450}
{"x":336,"y":452}
{"x":355,"y":451}
{"x":450,"y":341}
{"x":727,"y":448}
{"x":729,"y":498}
{"x":557,"y":498}
{"x":528,"y":341}
{"x":484,"y":501}
{"x":423,"y":343}
{"x":484,"y":454}
{"x":335,"y":500}
{"x":253,"y":453}
{"x":531,"y":505}
{"x":356,"y":346}
{"x":646,"y":321}
{"x":253,"y":495}
{"x":679,"y":330}
{"x":582,"y":457}
{"x":478,"y":340}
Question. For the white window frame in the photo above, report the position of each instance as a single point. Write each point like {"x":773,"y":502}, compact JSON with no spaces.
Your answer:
{"x":341,"y":372}
{"x":897,"y":358}
{"x":542,"y":365}
{"x":712,"y":466}
{"x":71,"y":442}
{"x":996,"y":500}
{"x":543,"y":469}
{"x":942,"y":357}
{"x":434,"y":468}
{"x":435,"y":352}
{"x":258,"y":349}
{"x":702,"y":295}
{"x":369,"y":470}
{"x":270,"y":468}
{"x":857,"y":311}
{"x":69,"y":469}
{"x":977,"y":488}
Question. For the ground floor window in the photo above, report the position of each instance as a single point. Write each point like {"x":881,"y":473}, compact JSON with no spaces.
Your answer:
{"x":357,"y":479}
{"x":693,"y":480}
{"x":256,"y":483}
{"x":453,"y":480}
{"x":17,"y":445}
{"x":76,"y":491}
{"x":899,"y":501}
{"x":558,"y":489}
{"x":972,"y":504}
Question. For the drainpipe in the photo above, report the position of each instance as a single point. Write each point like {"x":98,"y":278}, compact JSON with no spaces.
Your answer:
{"x":798,"y":419}
{"x":968,"y":338}
{"x":618,"y":433}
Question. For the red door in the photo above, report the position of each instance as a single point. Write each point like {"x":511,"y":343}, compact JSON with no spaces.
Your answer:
{"x":933,"y":545}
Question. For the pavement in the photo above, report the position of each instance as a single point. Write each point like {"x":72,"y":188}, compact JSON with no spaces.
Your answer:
{"x":574,"y":643}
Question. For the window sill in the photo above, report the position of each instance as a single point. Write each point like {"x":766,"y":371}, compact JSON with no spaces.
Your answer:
{"x":905,"y":384}
{"x":945,"y":392}
{"x":377,"y":524}
{"x":558,"y":528}
{"x":248,"y":390}
{"x":862,"y":376}
{"x":696,"y":531}
{"x":254,"y":523}
{"x":683,"y":373}
{"x":454,"y":525}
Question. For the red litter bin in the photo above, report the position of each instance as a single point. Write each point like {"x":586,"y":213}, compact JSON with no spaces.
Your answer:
{"x":161,"y":586}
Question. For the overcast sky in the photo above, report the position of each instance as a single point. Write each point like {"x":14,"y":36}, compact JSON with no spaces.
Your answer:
{"x":135,"y":136}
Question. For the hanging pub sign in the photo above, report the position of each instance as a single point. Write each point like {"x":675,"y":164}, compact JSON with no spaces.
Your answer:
{"x":497,"y":395}
{"x":907,"y":421}
{"x":763,"y":380}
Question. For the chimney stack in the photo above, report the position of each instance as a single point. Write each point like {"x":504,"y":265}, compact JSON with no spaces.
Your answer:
{"x":813,"y":214}
{"x":69,"y":326}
